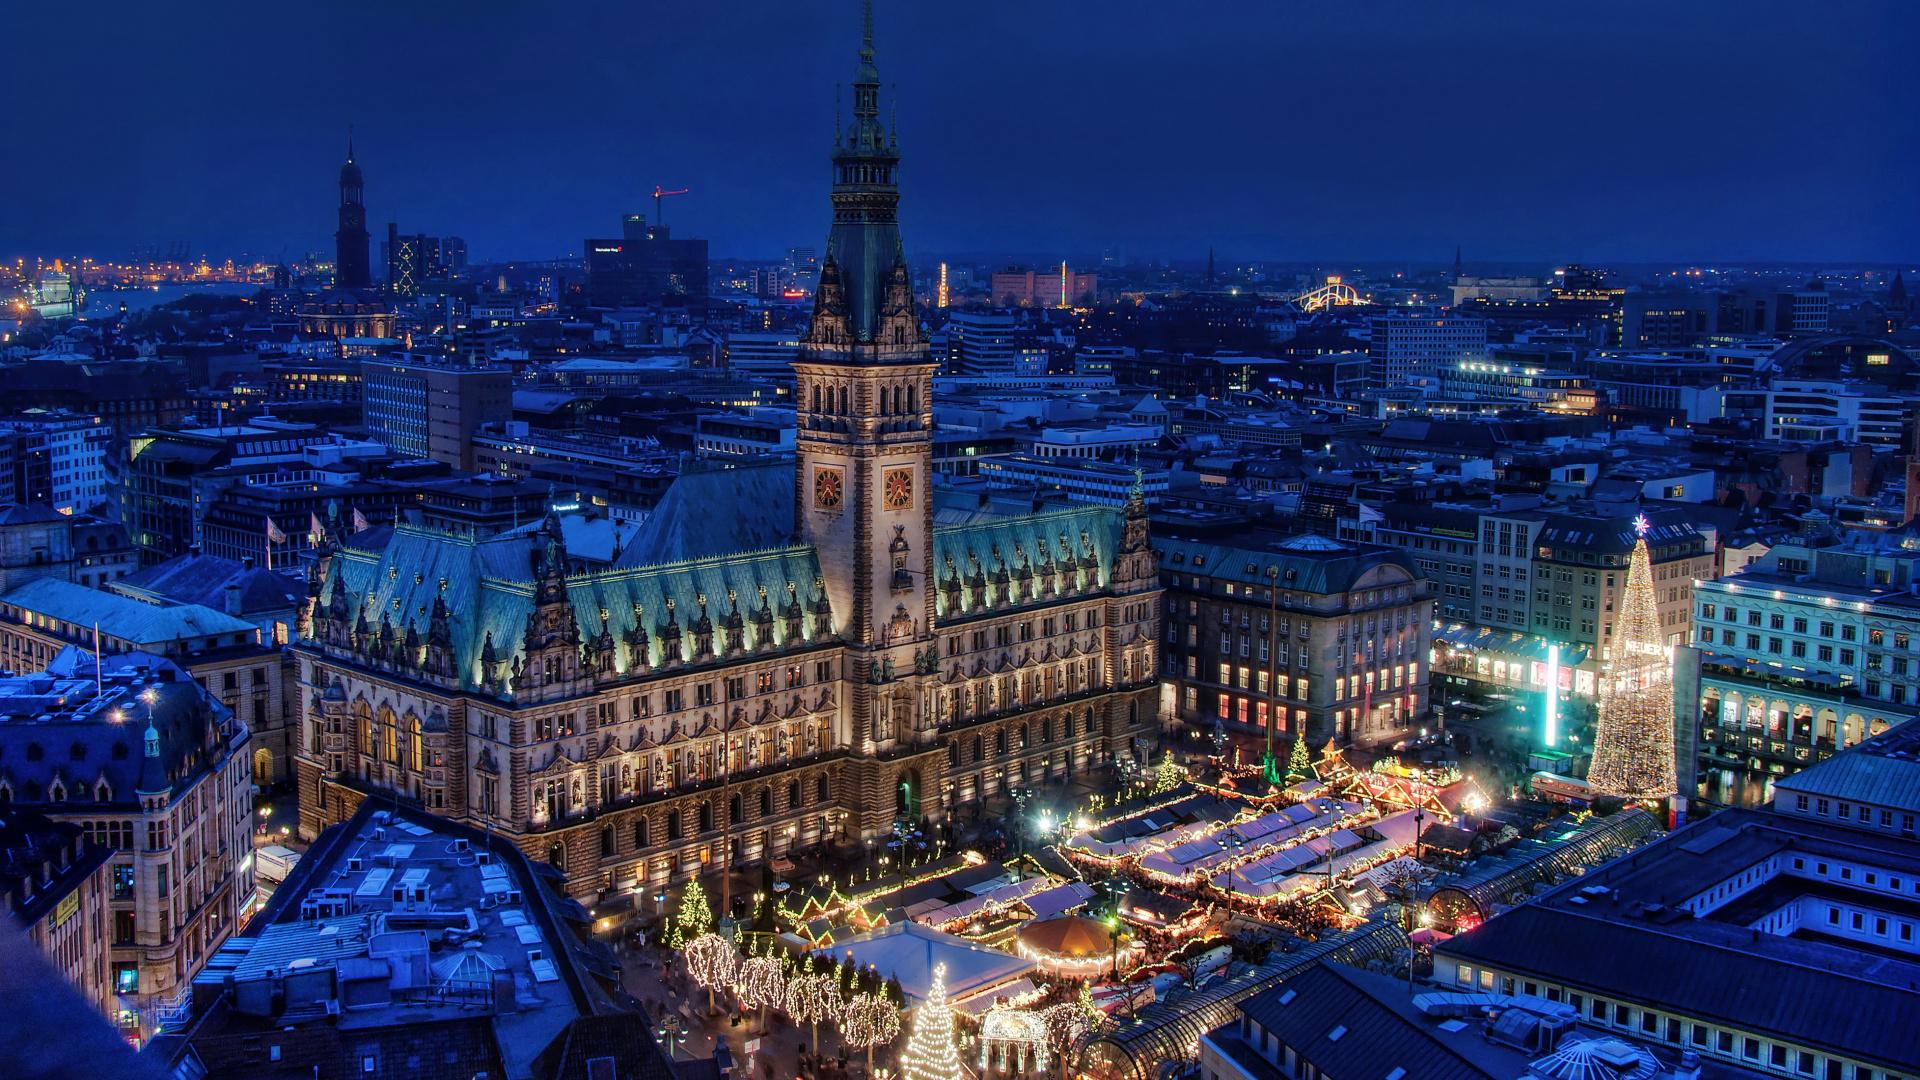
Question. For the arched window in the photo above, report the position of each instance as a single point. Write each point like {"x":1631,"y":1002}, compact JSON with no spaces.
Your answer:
{"x":820,"y":789}
{"x":34,"y":752}
{"x":1023,"y":736}
{"x":766,"y":802}
{"x":77,"y":752}
{"x":734,"y":814}
{"x":557,"y":857}
{"x":977,"y":751}
{"x":606,"y":841}
{"x":416,"y":746}
{"x":389,"y":737}
{"x":119,"y":751}
{"x":673,"y":825}
{"x":706,"y":817}
{"x":1000,"y":742}
{"x":793,"y":795}
{"x":913,"y":397}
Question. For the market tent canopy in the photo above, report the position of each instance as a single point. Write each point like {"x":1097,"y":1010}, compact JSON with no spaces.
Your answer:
{"x":909,"y":952}
{"x":1069,"y":936}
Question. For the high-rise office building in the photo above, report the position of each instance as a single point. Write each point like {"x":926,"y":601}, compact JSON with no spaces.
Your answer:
{"x":984,"y":343}
{"x":1057,"y":286}
{"x":411,"y":260}
{"x":645,"y":266}
{"x":429,"y":409}
{"x":1405,"y":345}
{"x":351,"y":268}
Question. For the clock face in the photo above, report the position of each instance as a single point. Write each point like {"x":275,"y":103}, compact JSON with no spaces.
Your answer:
{"x":827,"y":489}
{"x":897,"y":491}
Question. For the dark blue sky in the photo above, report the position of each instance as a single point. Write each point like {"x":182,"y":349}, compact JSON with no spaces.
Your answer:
{"x":1368,"y":129}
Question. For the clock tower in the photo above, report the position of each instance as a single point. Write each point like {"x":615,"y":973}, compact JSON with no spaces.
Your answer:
{"x":864,"y":386}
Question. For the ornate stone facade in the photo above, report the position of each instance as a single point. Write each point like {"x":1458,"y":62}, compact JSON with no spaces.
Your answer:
{"x":864,"y":665}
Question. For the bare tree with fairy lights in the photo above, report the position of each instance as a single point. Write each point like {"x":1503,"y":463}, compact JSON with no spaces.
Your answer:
{"x":710,"y":960}
{"x":870,"y":1020}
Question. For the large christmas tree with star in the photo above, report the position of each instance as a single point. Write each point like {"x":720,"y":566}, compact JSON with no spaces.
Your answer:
{"x":929,"y":1054}
{"x":1633,"y":748}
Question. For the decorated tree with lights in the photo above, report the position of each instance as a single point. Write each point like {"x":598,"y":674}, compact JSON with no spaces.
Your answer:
{"x":813,"y":997}
{"x":870,"y":1020}
{"x":1169,"y":775}
{"x":761,"y":983}
{"x":711,"y":961}
{"x":929,"y":1054}
{"x":1633,"y":746}
{"x":1298,"y":767}
{"x":695,"y":916}
{"x":1069,"y":1020}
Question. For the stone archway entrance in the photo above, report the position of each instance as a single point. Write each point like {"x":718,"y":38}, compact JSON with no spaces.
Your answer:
{"x":263,"y":767}
{"x":906,"y":802}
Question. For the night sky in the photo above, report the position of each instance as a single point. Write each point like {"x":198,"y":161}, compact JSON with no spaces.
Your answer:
{"x":1358,"y":129}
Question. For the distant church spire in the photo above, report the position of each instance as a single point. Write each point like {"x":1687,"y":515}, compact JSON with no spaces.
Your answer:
{"x":1897,"y":294}
{"x":352,"y":268}
{"x":1456,"y":266}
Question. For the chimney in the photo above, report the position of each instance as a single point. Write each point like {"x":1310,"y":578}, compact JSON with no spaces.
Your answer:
{"x":232,"y":596}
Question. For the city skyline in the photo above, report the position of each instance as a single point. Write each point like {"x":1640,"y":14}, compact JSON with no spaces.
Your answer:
{"x":1296,"y":135}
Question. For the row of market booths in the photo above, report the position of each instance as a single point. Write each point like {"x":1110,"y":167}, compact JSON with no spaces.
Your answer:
{"x":998,"y":929}
{"x":1252,"y":851}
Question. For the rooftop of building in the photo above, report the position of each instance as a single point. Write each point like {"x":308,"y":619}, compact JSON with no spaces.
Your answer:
{"x":1651,"y":926}
{"x":1426,"y":1035}
{"x":1304,"y":562}
{"x":1883,"y":771}
{"x":69,"y":740}
{"x":205,"y":580}
{"x":127,"y":619}
{"x":41,"y":861}
{"x":401,"y":930}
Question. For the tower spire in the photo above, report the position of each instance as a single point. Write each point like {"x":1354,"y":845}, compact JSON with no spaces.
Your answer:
{"x":349,"y":142}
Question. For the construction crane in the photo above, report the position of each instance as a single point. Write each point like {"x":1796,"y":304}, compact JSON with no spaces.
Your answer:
{"x":658,"y":194}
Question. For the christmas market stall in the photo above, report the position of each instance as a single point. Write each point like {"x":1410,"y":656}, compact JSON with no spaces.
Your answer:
{"x":1074,"y":946}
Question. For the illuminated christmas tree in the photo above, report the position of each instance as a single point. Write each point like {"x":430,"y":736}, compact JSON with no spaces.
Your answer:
{"x":1633,"y":747}
{"x":1298,"y":767}
{"x":929,"y":1054}
{"x":1169,"y":775}
{"x":695,"y":916}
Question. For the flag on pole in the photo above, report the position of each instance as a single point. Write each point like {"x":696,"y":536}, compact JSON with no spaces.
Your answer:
{"x":314,"y":528}
{"x":360,"y":522}
{"x":274,"y":535}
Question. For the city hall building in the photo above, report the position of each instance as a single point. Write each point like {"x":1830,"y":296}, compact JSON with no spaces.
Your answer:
{"x":784,"y":655}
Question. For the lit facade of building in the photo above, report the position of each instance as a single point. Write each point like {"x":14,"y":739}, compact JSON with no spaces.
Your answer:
{"x":154,"y":768}
{"x":785,"y":655}
{"x":1400,"y":346}
{"x":1804,"y":653}
{"x":1339,"y":653}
